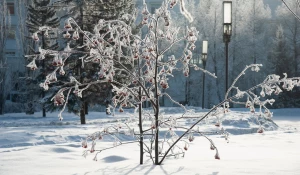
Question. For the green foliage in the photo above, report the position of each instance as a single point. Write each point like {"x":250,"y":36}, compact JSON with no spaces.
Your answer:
{"x":41,"y":15}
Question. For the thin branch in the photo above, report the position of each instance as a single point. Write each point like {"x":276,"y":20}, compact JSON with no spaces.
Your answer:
{"x":296,"y":16}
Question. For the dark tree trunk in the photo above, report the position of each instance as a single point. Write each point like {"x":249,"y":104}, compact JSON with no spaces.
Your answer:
{"x":156,"y":140}
{"x":141,"y":129}
{"x":2,"y":86}
{"x":1,"y":101}
{"x":86,"y":108}
{"x":156,"y":150}
{"x":44,"y":72}
{"x":83,"y":104}
{"x":140,"y":121}
{"x":82,"y":114}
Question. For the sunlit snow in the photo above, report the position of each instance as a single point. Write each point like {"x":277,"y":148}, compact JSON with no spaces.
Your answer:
{"x":32,"y":145}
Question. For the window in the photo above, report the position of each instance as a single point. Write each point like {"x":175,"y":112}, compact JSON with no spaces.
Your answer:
{"x":11,"y":8}
{"x":196,"y":60}
{"x":10,"y":53}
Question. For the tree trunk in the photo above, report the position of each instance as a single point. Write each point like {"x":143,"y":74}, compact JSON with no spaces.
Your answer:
{"x":86,"y":108}
{"x":156,"y":150}
{"x":82,"y":114}
{"x":43,"y":73}
{"x":83,"y":104}
{"x":2,"y":91}
{"x":1,"y":100}
{"x":140,"y":119}
{"x":141,"y":129}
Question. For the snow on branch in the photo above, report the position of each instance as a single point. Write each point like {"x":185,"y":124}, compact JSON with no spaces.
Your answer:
{"x":138,"y":69}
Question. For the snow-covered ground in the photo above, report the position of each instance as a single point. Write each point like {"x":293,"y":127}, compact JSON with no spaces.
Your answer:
{"x":32,"y":145}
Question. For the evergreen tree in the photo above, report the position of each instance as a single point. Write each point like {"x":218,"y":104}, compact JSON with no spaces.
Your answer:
{"x":280,"y":58}
{"x":87,"y":14}
{"x":39,"y":14}
{"x":93,"y":11}
{"x":107,"y":10}
{"x":281,"y":61}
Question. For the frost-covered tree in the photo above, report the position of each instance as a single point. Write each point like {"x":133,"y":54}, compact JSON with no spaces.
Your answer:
{"x":87,"y":13}
{"x":93,"y":11}
{"x":107,"y":46}
{"x":41,"y":15}
{"x":280,"y":61}
{"x":4,"y":32}
{"x":249,"y":38}
{"x":291,"y":32}
{"x":109,"y":10}
{"x":280,"y":58}
{"x":210,"y":22}
{"x":152,"y":66}
{"x":291,"y":26}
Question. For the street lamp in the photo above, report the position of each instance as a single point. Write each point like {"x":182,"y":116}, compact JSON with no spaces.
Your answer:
{"x":227,"y":28}
{"x":204,"y":58}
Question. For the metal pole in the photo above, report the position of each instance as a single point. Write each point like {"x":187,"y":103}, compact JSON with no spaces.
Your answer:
{"x":203,"y":90}
{"x":226,"y":50}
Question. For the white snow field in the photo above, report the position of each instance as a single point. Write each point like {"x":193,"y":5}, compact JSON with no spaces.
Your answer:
{"x":32,"y":145}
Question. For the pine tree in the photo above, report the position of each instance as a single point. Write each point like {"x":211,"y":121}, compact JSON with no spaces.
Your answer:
{"x":88,"y":13}
{"x":39,"y":14}
{"x":107,"y":10}
{"x":280,"y":58}
{"x":281,"y":61}
{"x":93,"y":11}
{"x":291,"y":27}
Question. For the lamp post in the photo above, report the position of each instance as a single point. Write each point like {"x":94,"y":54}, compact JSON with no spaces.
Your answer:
{"x":204,"y":58}
{"x":227,"y":28}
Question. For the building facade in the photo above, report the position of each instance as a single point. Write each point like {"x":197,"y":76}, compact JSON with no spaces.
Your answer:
{"x":14,"y":52}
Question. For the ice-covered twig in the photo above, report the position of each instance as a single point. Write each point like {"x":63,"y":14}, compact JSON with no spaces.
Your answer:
{"x":254,"y":67}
